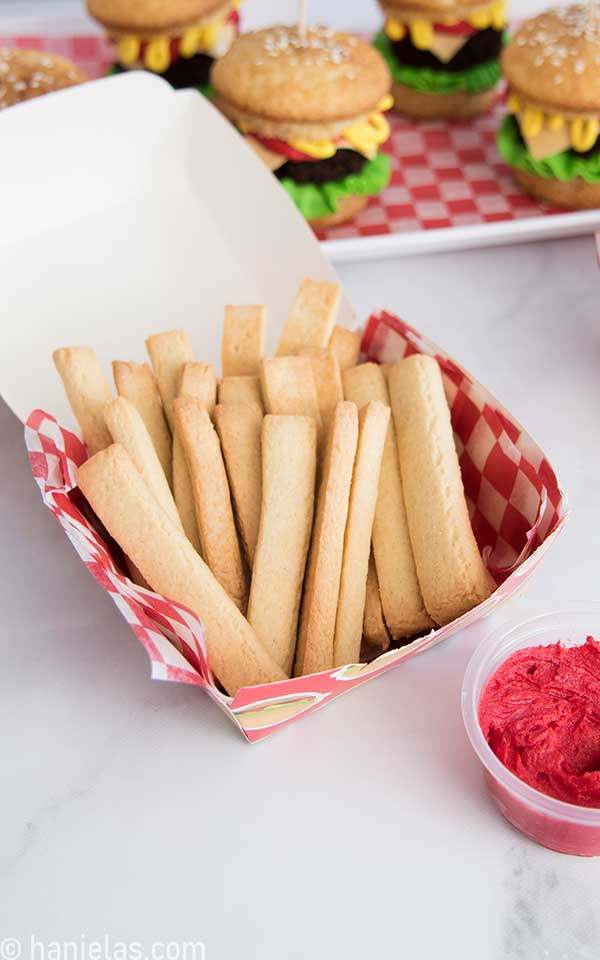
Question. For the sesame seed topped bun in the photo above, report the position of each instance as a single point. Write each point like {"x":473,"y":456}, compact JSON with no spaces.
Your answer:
{"x":276,"y":75}
{"x":553,"y":60}
{"x":149,"y":16}
{"x":25,"y":74}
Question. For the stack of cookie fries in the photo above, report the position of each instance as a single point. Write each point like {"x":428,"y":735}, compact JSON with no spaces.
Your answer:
{"x":298,"y":505}
{"x":516,"y":506}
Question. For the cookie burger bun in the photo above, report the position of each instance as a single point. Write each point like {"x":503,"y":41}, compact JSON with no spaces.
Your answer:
{"x":272,"y":74}
{"x":179,"y":39}
{"x":551,"y":133}
{"x":150,"y":16}
{"x":25,"y":74}
{"x":312,"y":108}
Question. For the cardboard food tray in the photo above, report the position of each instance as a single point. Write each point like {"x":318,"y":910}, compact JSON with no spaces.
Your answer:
{"x":127,"y":228}
{"x":449,"y":189}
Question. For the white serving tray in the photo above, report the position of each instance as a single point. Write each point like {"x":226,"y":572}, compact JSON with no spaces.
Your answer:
{"x":448,"y":239}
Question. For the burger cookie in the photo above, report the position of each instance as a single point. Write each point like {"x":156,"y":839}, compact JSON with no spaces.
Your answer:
{"x":25,"y":74}
{"x":179,"y":40}
{"x":443,"y":56}
{"x":550,"y":135}
{"x":312,"y":108}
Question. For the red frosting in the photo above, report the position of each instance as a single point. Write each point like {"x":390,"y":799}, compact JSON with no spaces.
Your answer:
{"x":462,"y":29}
{"x":540,"y":714}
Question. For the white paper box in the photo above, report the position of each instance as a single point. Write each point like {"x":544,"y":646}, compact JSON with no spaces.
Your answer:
{"x":130,"y":208}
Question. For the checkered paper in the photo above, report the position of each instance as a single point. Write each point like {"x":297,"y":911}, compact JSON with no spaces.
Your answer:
{"x":443,"y":175}
{"x":91,"y":52}
{"x":517,"y":508}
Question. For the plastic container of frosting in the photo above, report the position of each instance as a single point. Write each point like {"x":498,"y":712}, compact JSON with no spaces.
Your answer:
{"x":564,"y":826}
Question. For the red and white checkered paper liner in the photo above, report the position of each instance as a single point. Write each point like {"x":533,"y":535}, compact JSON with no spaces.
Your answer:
{"x":443,"y":175}
{"x":517,"y":509}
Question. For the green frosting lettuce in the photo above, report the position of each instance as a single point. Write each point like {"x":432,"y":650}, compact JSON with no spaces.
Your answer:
{"x":476,"y":79}
{"x":319,"y":200}
{"x":564,"y":166}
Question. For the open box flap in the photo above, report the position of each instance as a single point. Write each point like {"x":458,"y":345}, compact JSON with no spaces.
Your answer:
{"x":130,"y":208}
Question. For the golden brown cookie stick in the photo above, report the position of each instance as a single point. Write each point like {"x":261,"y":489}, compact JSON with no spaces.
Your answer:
{"x":451,"y":572}
{"x":311,"y":317}
{"x":375,"y":629}
{"x":199,"y":381}
{"x":196,"y":380}
{"x":135,"y":382}
{"x":373,"y":423}
{"x":328,"y":380}
{"x":346,"y":346}
{"x":288,"y":387}
{"x":127,"y":428}
{"x":242,"y":345}
{"x":184,"y":494}
{"x":288,"y":488}
{"x":322,"y":583}
{"x":168,"y":352}
{"x":117,"y":493}
{"x":399,"y":589}
{"x":87,"y":392}
{"x":240,"y":390}
{"x":214,"y":513}
{"x":239,"y":426}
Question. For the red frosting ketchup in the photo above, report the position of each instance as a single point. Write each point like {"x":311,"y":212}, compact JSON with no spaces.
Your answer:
{"x":540,"y":714}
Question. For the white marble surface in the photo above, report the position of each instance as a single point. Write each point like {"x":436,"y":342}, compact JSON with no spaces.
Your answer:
{"x":134,"y":810}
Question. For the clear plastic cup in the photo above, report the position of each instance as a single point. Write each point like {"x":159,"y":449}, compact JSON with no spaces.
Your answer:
{"x":561,"y":826}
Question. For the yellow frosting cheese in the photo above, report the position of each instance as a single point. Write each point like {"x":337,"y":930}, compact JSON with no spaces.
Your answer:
{"x":422,"y":32}
{"x":155,"y":54}
{"x":536,"y":125}
{"x":364,"y":137}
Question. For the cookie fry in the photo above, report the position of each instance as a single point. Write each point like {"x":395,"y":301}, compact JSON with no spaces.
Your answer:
{"x":87,"y":392}
{"x":322,"y":583}
{"x":375,"y":629}
{"x":242,"y":345}
{"x":372,"y":429}
{"x":117,"y":493}
{"x":311,"y":317}
{"x":240,"y":390}
{"x":135,"y":382}
{"x":328,"y":380}
{"x":288,"y":387}
{"x":451,"y":572}
{"x":169,"y":352}
{"x":214,"y":513}
{"x":346,"y":346}
{"x":399,"y":589}
{"x":239,"y":427}
{"x":289,"y":462}
{"x":198,"y":380}
{"x":127,"y":428}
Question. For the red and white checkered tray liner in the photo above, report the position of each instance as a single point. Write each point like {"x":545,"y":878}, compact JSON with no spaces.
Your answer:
{"x":517,"y":506}
{"x":443,"y":175}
